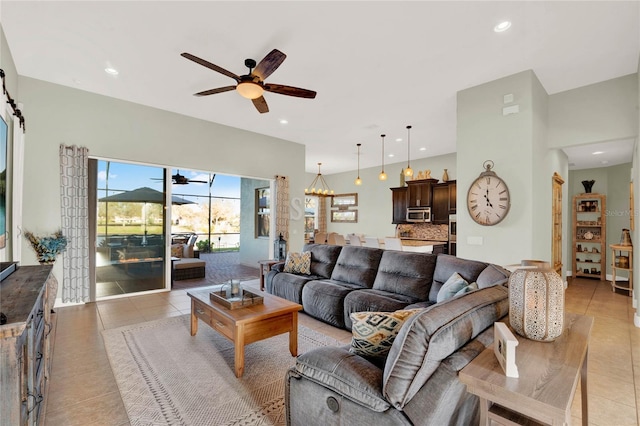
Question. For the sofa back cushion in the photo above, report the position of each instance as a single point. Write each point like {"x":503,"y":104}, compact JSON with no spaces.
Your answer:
{"x":410,"y":274}
{"x":447,"y":265}
{"x":493,"y":275}
{"x":432,"y":335}
{"x":357,"y":265}
{"x":323,"y":258}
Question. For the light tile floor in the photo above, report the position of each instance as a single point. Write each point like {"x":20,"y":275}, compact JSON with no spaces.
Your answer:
{"x":83,"y":391}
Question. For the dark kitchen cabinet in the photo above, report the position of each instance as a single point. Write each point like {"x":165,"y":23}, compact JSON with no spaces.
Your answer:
{"x":419,"y":192}
{"x":440,"y":203}
{"x":443,"y":201}
{"x":399,"y":200}
{"x":453,"y":192}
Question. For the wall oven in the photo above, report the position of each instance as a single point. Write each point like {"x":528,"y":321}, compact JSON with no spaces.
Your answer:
{"x":453,"y":230}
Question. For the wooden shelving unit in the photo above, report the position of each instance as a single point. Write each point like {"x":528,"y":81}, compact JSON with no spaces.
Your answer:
{"x":589,"y":236}
{"x":622,"y":261}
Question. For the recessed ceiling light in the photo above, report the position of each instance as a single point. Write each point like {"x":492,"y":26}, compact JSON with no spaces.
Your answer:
{"x":111,"y":71}
{"x":423,"y":149}
{"x":399,"y":140}
{"x":283,"y":121}
{"x":502,"y":26}
{"x":597,"y":152}
{"x":391,"y":155}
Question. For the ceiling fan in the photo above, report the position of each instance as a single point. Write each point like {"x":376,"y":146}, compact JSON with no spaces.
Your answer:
{"x":252,"y":85}
{"x":179,"y":179}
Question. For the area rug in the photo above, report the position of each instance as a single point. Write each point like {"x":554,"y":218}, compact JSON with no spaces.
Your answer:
{"x":168,"y":377}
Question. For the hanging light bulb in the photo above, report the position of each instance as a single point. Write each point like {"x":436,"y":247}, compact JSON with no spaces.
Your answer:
{"x":408,"y":171}
{"x":382,"y":175}
{"x":358,"y":180}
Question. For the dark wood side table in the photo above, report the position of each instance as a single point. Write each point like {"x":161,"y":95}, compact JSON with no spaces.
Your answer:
{"x":548,"y":379}
{"x":265,"y":267}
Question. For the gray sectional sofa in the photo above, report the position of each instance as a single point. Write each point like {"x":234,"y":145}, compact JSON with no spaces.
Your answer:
{"x":417,"y":383}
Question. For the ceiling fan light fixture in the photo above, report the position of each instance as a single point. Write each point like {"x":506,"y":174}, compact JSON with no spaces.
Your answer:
{"x":249,"y":89}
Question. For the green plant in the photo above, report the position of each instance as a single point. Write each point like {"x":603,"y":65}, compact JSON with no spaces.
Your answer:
{"x":204,"y":246}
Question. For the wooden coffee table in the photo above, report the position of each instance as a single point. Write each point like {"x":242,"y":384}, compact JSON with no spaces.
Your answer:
{"x":246,"y":325}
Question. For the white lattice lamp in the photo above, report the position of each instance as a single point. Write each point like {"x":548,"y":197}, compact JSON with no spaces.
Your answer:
{"x":536,"y":301}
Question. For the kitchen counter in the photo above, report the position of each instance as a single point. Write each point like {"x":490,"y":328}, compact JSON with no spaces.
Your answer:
{"x":417,"y":242}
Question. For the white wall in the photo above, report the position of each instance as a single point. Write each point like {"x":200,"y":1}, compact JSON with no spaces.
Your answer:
{"x":485,"y":134}
{"x":121,"y":130}
{"x":599,"y":112}
{"x":253,"y":249}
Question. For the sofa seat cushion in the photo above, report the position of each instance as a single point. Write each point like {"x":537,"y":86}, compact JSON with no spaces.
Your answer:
{"x":345,"y":373}
{"x":288,"y":286}
{"x":187,"y":263}
{"x":410,"y":274}
{"x":323,"y":258}
{"x":357,"y":265}
{"x":373,"y":300}
{"x":447,"y":265}
{"x":374,"y":332}
{"x":435,"y":333}
{"x":324,"y":300}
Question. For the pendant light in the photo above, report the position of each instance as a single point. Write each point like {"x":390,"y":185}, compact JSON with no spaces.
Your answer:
{"x":358,"y":180}
{"x":382,"y":175}
{"x":322,"y":189}
{"x":408,"y":171}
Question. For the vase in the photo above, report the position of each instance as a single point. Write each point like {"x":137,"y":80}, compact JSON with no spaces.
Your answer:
{"x":445,"y":176}
{"x":588,"y":184}
{"x":536,"y":302}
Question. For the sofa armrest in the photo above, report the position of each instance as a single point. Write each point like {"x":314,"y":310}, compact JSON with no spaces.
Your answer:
{"x":278,"y":267}
{"x":345,"y":373}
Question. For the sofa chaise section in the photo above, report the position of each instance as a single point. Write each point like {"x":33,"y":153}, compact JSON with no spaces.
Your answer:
{"x":417,"y":382}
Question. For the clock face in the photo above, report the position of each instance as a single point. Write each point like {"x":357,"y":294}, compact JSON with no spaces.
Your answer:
{"x":488,"y":200}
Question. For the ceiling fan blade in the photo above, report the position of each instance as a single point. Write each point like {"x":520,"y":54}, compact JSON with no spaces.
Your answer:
{"x":269,"y":64}
{"x":214,"y":91}
{"x":290,"y":91}
{"x":198,"y":181}
{"x":210,"y":65}
{"x":261,"y":104}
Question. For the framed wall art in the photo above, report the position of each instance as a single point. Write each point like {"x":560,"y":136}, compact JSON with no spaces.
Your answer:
{"x":344,"y":201}
{"x":344,"y":216}
{"x":504,"y":346}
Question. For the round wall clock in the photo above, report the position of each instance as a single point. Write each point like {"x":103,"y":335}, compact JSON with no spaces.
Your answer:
{"x":488,"y":198}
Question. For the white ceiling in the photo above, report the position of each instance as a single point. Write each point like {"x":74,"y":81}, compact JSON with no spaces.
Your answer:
{"x":377,"y":66}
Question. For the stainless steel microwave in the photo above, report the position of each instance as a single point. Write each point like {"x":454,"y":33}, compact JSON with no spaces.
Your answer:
{"x":419,"y":214}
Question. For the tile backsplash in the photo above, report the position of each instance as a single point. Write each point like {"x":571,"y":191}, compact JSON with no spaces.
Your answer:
{"x":426,"y":231}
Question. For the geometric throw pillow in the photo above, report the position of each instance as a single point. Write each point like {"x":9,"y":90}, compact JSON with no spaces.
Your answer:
{"x":298,"y":263}
{"x":374,"y":332}
{"x":177,"y":250}
{"x":454,"y":284}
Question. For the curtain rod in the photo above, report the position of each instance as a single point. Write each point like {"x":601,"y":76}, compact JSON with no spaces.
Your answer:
{"x":12,"y":103}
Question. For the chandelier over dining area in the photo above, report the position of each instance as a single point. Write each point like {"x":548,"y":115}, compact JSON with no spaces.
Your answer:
{"x":318,"y":186}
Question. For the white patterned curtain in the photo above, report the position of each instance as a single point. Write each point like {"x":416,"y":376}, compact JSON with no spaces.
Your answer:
{"x":282,"y":208}
{"x":74,"y":187}
{"x":322,"y":214}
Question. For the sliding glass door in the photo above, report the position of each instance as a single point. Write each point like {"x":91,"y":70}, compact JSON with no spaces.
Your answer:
{"x":129,"y":228}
